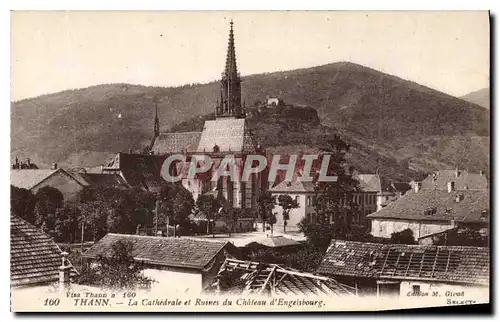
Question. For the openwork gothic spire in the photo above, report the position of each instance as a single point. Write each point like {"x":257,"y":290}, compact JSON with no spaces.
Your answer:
{"x":230,"y":95}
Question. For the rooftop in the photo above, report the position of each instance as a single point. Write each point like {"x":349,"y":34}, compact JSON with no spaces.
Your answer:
{"x":275,"y":241}
{"x":241,"y":277}
{"x":416,"y":205}
{"x":463,"y":180}
{"x":176,"y":142}
{"x":138,"y":170}
{"x":34,"y":257}
{"x":458,"y":264}
{"x":181,"y":252}
{"x":100,"y":179}
{"x":30,"y":178}
{"x":229,"y":134}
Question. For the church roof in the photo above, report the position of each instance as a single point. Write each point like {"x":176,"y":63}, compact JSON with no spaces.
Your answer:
{"x":176,"y":142}
{"x":229,"y":134}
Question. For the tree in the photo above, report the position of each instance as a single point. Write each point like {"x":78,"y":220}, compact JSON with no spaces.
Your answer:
{"x":22,"y":203}
{"x":272,"y":221}
{"x":110,"y":209}
{"x":208,"y":205}
{"x":120,"y":271}
{"x":66,"y":223}
{"x":176,"y":204}
{"x":403,"y":237}
{"x":265,"y":205}
{"x":287,"y":203}
{"x":49,"y":199}
{"x":333,"y":201}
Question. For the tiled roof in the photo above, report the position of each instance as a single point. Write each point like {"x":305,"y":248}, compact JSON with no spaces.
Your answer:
{"x":100,"y":179}
{"x":275,"y":241}
{"x":176,"y":142}
{"x":166,"y":251}
{"x":414,"y":205}
{"x":240,"y":277}
{"x":34,"y":257}
{"x":139,"y":170}
{"x":228,"y":134}
{"x":30,"y":178}
{"x":458,"y":264}
{"x":464,"y":180}
{"x":296,"y":185}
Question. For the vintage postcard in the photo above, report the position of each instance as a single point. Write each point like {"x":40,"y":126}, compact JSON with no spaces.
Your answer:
{"x":254,"y":161}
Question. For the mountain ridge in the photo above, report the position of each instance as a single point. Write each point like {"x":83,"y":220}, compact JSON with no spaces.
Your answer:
{"x":480,"y":97}
{"x":381,"y":112}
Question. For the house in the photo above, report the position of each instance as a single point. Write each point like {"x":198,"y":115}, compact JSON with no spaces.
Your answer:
{"x":137,"y":170}
{"x":194,"y":262}
{"x":35,"y":179}
{"x":273,"y":101}
{"x":437,"y":204}
{"x":244,"y":278}
{"x":300,"y":191}
{"x":376,"y":192}
{"x":406,"y":270}
{"x":35,"y":259}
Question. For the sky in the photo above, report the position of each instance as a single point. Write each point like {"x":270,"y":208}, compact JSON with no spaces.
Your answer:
{"x":56,"y":50}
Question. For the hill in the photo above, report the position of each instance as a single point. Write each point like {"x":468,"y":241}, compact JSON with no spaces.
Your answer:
{"x":382,"y":116}
{"x":480,"y":97}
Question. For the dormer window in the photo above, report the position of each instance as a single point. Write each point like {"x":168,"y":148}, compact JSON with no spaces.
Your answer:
{"x":484,"y":214}
{"x":216,"y":148}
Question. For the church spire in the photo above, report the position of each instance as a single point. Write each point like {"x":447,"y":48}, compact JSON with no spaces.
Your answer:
{"x":231,"y":69}
{"x":230,"y":92}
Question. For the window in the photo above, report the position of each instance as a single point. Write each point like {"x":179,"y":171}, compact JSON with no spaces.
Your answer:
{"x":297,"y":199}
{"x":309,"y":199}
{"x":416,"y":289}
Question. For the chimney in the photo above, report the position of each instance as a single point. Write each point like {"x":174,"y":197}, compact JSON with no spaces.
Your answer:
{"x":457,"y":172}
{"x":417,"y":186}
{"x":459,"y":197}
{"x":130,"y":151}
{"x":54,"y":166}
{"x":481,"y":172}
{"x":102,"y":168}
{"x":64,"y":271}
{"x":451,"y":186}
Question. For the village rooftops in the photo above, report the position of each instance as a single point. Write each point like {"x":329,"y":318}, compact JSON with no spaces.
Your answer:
{"x":100,"y":179}
{"x":30,"y":178}
{"x":181,"y":252}
{"x":139,"y":170}
{"x":34,"y":257}
{"x":462,"y":180}
{"x":449,"y":264}
{"x":439,"y":205}
{"x":242,"y":277}
{"x":294,"y":186}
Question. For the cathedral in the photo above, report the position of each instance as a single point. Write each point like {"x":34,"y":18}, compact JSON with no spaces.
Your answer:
{"x":228,"y":134}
